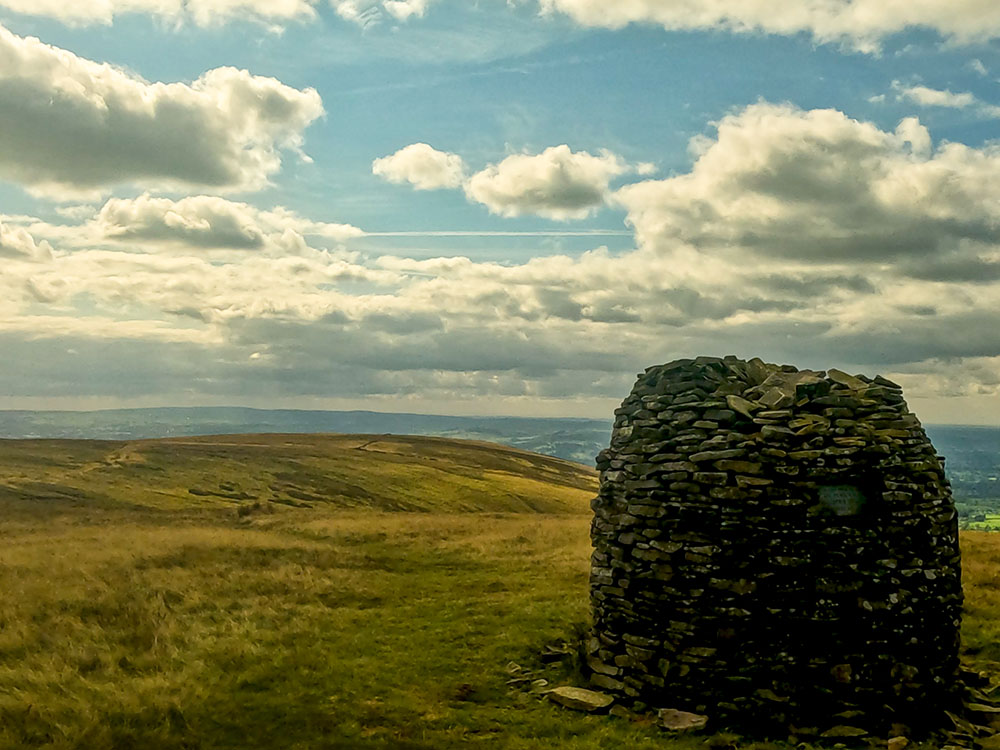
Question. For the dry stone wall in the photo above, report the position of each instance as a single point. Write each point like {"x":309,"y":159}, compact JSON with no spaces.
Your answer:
{"x":775,"y":546}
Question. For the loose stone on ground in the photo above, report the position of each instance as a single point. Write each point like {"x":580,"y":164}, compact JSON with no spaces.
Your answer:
{"x":580,"y":699}
{"x":681,"y":721}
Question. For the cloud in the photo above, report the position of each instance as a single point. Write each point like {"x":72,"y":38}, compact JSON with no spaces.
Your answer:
{"x":199,"y":12}
{"x":421,"y":166}
{"x":18,"y":244}
{"x":862,"y":24}
{"x":928,"y":97}
{"x":817,"y":186}
{"x":76,"y":212}
{"x":976,"y":66}
{"x":801,"y":236}
{"x":73,"y":127}
{"x":456,"y":330}
{"x":965,"y":268}
{"x":812,"y":285}
{"x":195,"y":290}
{"x":556,"y":184}
{"x":368,"y":13}
{"x":402,"y":10}
{"x":209,"y":222}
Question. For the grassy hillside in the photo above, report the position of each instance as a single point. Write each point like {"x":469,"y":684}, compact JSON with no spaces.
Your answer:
{"x":172,"y":623}
{"x":574,"y":439}
{"x":343,"y":471}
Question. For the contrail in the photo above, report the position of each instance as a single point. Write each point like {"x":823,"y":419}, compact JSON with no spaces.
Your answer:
{"x":487,"y":233}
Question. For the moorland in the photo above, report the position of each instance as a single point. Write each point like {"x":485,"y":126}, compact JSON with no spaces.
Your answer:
{"x":973,"y":453}
{"x":294,"y":592}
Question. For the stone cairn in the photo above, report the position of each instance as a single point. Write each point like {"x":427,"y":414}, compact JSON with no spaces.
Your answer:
{"x":775,"y":547}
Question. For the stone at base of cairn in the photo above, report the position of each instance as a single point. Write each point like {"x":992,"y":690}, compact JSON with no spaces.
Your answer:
{"x":580,"y":699}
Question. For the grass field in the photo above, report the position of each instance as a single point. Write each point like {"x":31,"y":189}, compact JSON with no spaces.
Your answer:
{"x":179,"y":621}
{"x":983,"y":522}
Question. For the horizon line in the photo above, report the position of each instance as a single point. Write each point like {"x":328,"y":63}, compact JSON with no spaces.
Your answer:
{"x":387,"y":413}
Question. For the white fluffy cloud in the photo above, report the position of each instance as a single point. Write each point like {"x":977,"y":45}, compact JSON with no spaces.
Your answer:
{"x":70,"y":126}
{"x":209,"y":222}
{"x":422,"y":166}
{"x":200,"y":12}
{"x":861,"y":23}
{"x":821,"y":187}
{"x":557,"y":183}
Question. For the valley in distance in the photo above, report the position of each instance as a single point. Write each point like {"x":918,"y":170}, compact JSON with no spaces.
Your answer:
{"x":319,"y":591}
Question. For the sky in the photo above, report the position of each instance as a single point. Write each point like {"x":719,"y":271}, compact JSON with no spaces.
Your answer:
{"x":493,"y":207}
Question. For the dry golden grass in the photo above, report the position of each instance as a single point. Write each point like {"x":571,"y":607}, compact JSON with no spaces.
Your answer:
{"x":981,"y":582}
{"x":298,"y":630}
{"x":307,"y":628}
{"x":344,"y":471}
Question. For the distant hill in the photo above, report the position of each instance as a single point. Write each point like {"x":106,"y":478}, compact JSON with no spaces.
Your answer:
{"x":973,"y":453}
{"x":379,"y":472}
{"x":572,"y":439}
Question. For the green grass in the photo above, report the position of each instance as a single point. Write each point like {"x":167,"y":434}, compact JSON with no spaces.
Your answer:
{"x":135,"y":626}
{"x":987,"y":521}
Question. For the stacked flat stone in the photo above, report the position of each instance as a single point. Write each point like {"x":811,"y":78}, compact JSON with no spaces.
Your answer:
{"x":775,"y":547}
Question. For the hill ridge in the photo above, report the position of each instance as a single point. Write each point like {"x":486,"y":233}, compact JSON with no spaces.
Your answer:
{"x":295,"y":470}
